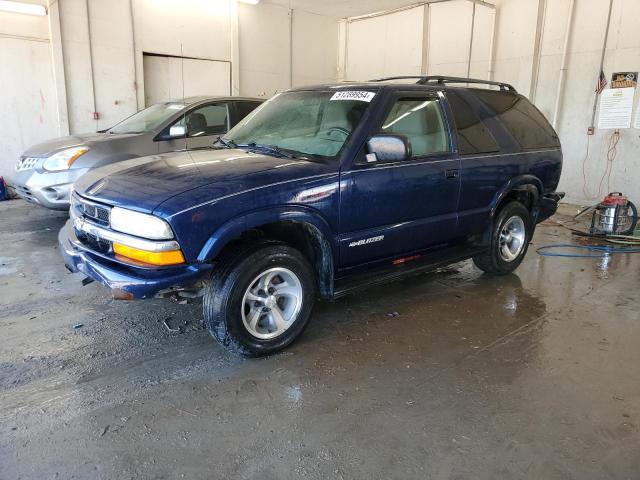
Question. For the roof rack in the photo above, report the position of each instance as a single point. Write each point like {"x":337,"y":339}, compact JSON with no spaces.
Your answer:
{"x":442,"y":80}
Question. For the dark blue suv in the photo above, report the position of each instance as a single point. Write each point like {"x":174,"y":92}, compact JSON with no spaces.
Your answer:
{"x":321,"y":191}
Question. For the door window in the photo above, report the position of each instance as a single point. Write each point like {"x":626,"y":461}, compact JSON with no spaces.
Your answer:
{"x":421,"y":121}
{"x":207,"y":120}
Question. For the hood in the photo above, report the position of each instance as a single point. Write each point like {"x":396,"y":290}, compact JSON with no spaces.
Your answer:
{"x":144,"y":183}
{"x":50,"y":147}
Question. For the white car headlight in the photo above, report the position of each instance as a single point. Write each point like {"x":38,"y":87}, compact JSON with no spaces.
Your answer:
{"x":64,"y":159}
{"x":140,"y":224}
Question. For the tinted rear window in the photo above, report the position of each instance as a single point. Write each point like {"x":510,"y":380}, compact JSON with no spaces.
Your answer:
{"x":525,"y":122}
{"x":473,"y":135}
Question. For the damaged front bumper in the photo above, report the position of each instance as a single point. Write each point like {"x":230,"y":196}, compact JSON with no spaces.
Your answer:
{"x":126,"y":281}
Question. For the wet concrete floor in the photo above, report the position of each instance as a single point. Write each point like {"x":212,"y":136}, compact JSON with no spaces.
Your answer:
{"x":530,"y":376}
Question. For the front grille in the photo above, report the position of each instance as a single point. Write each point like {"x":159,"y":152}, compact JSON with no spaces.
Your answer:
{"x":94,"y":243}
{"x":26,"y":163}
{"x":96,"y":212}
{"x":93,"y":211}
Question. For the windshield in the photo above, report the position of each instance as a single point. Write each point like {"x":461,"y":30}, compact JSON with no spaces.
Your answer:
{"x":148,"y":119}
{"x":311,"y":123}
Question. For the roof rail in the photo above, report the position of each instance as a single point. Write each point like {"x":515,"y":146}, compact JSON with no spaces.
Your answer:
{"x":441,"y":80}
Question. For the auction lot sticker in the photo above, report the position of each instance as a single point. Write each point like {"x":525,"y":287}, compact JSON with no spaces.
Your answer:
{"x":359,"y":95}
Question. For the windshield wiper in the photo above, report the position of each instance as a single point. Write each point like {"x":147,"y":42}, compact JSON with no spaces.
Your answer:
{"x":274,"y":150}
{"x":225,"y":143}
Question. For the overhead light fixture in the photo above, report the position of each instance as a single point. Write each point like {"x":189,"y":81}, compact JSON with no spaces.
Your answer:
{"x":22,"y":7}
{"x":250,"y":2}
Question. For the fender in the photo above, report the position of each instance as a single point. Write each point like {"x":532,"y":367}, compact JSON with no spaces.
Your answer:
{"x":528,"y":183}
{"x":233,"y":228}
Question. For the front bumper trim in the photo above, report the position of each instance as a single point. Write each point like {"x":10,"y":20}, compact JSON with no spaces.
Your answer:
{"x":125,"y":281}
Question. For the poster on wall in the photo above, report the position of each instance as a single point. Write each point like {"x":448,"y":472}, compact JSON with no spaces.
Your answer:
{"x":624,"y":80}
{"x":616,"y":106}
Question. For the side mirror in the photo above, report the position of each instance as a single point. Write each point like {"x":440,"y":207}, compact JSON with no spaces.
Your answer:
{"x":177,"y":131}
{"x":388,"y":148}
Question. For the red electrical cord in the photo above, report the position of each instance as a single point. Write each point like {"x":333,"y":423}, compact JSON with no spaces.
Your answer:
{"x":611,"y":156}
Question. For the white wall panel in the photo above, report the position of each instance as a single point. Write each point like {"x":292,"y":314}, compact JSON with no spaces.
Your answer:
{"x":394,"y":44}
{"x":27,"y":99}
{"x":265,"y":49}
{"x":515,"y":42}
{"x":163,"y":78}
{"x":315,"y":48}
{"x":77,"y":65}
{"x":113,"y":61}
{"x":27,"y":93}
{"x":449,"y":37}
{"x":201,"y":27}
{"x":482,"y":38}
{"x":385,"y":45}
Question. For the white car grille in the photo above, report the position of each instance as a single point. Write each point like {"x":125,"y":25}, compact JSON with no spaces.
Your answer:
{"x":26,"y":163}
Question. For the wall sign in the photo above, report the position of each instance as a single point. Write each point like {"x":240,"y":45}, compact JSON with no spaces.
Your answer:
{"x":616,"y":105}
{"x":624,"y":80}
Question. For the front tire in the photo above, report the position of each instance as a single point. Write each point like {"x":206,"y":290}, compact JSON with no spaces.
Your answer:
{"x":508,"y":241}
{"x":260,"y":301}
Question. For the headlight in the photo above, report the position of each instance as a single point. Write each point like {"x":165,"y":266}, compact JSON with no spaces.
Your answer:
{"x":140,"y":224}
{"x":64,"y":159}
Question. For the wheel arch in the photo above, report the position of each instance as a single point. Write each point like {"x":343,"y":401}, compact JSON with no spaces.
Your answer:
{"x":527,"y":189}
{"x":300,"y":228}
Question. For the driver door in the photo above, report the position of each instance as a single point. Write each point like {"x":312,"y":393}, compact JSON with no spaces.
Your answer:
{"x":392,"y":209}
{"x":204,"y":124}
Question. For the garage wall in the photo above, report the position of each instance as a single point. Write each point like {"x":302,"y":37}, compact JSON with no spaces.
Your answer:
{"x":264,"y":32}
{"x":173,"y":77}
{"x":315,"y":48}
{"x":104,"y":42}
{"x":27,"y":69}
{"x":449,"y":35}
{"x":99,"y":61}
{"x":280,"y":48}
{"x":86,"y":57}
{"x":385,"y":45}
{"x":516,"y":33}
{"x":431,"y":39}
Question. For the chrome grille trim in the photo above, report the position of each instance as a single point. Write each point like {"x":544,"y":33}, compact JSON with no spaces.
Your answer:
{"x":91,"y":210}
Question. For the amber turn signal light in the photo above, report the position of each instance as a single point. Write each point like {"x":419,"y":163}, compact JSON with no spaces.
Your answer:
{"x":170,"y":257}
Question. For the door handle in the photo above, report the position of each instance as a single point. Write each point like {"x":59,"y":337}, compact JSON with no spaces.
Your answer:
{"x":451,"y":173}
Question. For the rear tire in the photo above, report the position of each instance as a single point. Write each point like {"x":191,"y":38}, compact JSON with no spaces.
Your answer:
{"x":508,"y":240}
{"x":259,"y":301}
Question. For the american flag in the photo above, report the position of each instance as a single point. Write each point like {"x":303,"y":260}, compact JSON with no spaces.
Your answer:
{"x":602,"y":82}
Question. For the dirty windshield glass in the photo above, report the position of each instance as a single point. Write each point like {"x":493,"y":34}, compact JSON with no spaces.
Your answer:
{"x":309,"y":123}
{"x":147,"y":119}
